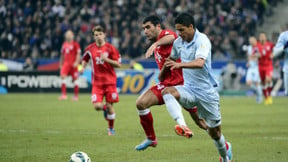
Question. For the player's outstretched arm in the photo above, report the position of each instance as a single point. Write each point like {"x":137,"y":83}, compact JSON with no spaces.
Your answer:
{"x":60,"y":61}
{"x":78,"y":59}
{"x":168,"y":39}
{"x":195,"y":64}
{"x":83,"y":65}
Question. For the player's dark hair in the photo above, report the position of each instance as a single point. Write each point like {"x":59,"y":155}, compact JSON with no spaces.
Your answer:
{"x":153,"y":19}
{"x":98,"y":28}
{"x":185,"y":19}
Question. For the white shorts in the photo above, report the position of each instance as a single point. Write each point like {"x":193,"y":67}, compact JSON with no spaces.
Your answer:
{"x":209,"y":111}
{"x":253,"y":75}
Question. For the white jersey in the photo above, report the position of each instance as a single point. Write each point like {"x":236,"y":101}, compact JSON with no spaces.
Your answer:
{"x":282,"y":41}
{"x":253,"y":63}
{"x":200,"y":80}
{"x":253,"y":71}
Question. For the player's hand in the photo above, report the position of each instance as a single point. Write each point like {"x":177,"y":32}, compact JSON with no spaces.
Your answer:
{"x":171,"y":64}
{"x":75,"y":65}
{"x":150,"y":50}
{"x":80,"y":69}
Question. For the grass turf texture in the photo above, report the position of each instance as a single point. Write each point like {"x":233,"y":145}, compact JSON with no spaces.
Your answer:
{"x":38,"y":127}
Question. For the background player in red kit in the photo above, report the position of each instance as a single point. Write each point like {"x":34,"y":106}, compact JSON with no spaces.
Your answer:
{"x":104,"y":58}
{"x":162,"y":45}
{"x":266,"y":67}
{"x":69,"y":60}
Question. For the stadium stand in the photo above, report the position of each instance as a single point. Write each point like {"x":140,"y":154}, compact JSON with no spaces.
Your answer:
{"x":35,"y":28}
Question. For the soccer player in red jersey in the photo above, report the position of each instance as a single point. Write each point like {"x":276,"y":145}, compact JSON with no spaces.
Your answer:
{"x":104,"y":58}
{"x":162,"y":45}
{"x":69,"y":60}
{"x":266,"y":67}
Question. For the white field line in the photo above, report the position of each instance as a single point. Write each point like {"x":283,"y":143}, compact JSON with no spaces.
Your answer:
{"x":27,"y":131}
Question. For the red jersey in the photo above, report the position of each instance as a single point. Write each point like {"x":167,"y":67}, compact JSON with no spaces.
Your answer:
{"x":265,"y":61}
{"x":161,"y":52}
{"x":102,"y":72}
{"x":69,"y":52}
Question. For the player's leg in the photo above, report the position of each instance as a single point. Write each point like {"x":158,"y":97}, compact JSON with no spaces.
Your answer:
{"x":210,"y":111}
{"x":111,"y":97}
{"x":258,"y":88}
{"x":259,"y":92}
{"x":170,"y":97}
{"x":97,"y":99}
{"x":286,"y":83}
{"x":63,"y":74}
{"x":195,"y":116}
{"x":143,"y":104}
{"x":75,"y":76}
{"x":269,"y":85}
{"x":224,"y":148}
{"x":277,"y":85}
{"x":111,"y":115}
{"x":263,"y":84}
{"x":249,"y":77}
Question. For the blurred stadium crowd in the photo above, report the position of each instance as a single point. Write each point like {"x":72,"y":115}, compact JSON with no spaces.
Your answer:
{"x":35,"y":28}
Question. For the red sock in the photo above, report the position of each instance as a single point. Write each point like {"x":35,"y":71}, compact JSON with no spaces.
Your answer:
{"x":76,"y":90}
{"x":147,"y":124}
{"x":111,"y":119}
{"x":104,"y":108}
{"x":269,"y":90}
{"x":111,"y":123}
{"x":265,"y":92}
{"x":63,"y":89}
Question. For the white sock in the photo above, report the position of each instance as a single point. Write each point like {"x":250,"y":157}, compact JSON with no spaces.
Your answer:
{"x":253,"y":87}
{"x":174,"y":109}
{"x":111,"y":116}
{"x":143,"y":112}
{"x":259,"y":90}
{"x":221,"y":147}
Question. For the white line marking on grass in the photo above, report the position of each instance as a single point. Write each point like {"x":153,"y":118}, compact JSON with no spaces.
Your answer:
{"x":74,"y":131}
{"x":275,"y":138}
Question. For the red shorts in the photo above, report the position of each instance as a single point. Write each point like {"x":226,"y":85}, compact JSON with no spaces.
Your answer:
{"x":69,"y":70}
{"x":109,"y":91}
{"x":157,"y":91}
{"x":265,"y":73}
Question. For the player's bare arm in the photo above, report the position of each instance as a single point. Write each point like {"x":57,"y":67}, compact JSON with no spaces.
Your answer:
{"x":195,"y":64}
{"x":60,"y":61}
{"x":83,"y":64}
{"x":168,"y":39}
{"x":78,"y":59}
{"x":162,"y":72}
{"x":114,"y":63}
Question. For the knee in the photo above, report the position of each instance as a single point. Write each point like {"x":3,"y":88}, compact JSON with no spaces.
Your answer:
{"x":98,"y":107}
{"x":166,"y":91}
{"x":140,"y":104}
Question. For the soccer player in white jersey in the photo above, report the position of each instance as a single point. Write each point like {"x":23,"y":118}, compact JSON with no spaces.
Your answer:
{"x":280,"y":48}
{"x":252,"y":77}
{"x":194,"y":49}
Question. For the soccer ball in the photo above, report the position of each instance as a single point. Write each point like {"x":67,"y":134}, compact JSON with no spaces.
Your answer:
{"x":79,"y":157}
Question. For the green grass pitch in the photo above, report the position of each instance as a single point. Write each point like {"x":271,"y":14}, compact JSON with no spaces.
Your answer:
{"x":38,"y":127}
